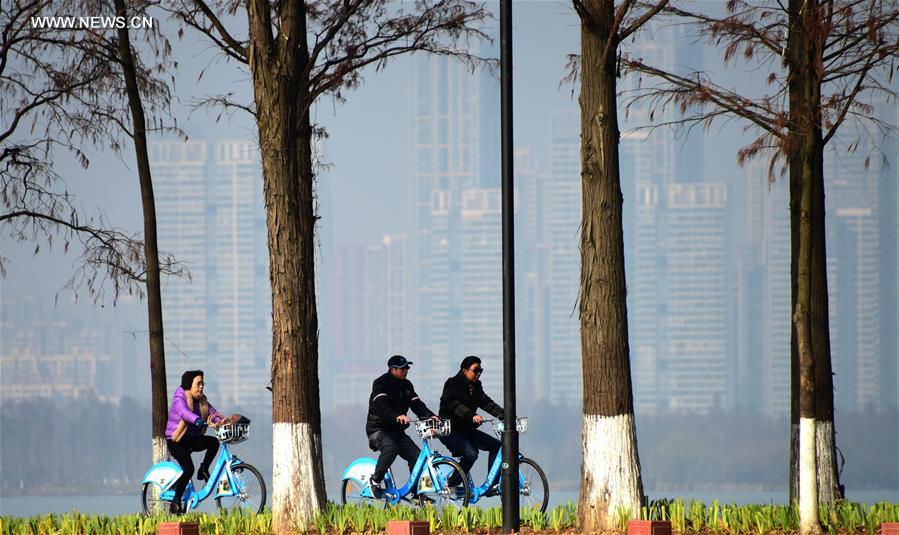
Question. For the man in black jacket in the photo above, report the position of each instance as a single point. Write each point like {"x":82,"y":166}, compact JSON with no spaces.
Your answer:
{"x":462,"y":396}
{"x":392,"y":395}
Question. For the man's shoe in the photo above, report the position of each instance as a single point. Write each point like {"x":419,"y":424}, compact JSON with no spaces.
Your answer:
{"x":203,"y":473}
{"x":175,"y":509}
{"x":376,"y":491}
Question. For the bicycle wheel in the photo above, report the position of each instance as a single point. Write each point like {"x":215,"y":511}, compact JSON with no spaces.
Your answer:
{"x":533,"y":488}
{"x":443,"y":495}
{"x":150,"y":502}
{"x":251,"y":492}
{"x":351,"y":493}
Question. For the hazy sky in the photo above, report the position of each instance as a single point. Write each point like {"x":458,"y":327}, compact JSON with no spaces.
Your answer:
{"x":370,"y":180}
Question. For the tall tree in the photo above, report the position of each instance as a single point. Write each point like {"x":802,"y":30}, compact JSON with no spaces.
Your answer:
{"x":824,"y":60}
{"x":610,"y":475}
{"x":122,"y":101}
{"x":297,"y":52}
{"x":99,"y":107}
{"x":132,"y":75}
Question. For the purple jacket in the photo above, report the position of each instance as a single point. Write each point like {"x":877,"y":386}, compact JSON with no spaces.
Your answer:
{"x":179,"y":411}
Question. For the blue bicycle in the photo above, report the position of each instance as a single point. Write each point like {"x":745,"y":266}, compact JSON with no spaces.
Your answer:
{"x":428,"y":482}
{"x":533,"y":487}
{"x":235,"y":484}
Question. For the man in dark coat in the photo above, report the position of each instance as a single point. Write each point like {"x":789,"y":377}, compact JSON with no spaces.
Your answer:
{"x":392,"y":395}
{"x":462,"y":396}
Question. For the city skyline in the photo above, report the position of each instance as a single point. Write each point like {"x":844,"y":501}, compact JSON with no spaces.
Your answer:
{"x":449,"y":204}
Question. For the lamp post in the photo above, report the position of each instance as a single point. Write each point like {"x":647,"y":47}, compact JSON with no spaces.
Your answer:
{"x":511,"y":515}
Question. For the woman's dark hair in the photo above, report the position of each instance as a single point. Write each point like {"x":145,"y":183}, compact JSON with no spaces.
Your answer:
{"x":187,"y":379}
{"x":468,"y":361}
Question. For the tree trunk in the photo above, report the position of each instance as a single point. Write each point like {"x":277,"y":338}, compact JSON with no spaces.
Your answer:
{"x":829,"y":490}
{"x":808,"y":492}
{"x":610,"y":475}
{"x":805,"y":128}
{"x":805,"y":98}
{"x":285,"y":140}
{"x":795,"y":198}
{"x":159,"y":395}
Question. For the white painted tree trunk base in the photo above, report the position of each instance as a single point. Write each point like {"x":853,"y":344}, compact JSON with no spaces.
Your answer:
{"x":610,"y":482}
{"x":294,"y":496}
{"x":828,"y":493}
{"x":808,"y":477}
{"x":794,"y":464}
{"x":160,"y":452}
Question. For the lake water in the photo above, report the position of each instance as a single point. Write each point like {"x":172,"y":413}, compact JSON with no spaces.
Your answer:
{"x":126,"y":504}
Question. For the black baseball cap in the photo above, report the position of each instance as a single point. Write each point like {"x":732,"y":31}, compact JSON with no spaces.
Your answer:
{"x":398,"y":361}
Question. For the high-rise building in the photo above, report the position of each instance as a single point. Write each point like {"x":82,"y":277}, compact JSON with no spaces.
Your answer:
{"x":390,"y":313}
{"x":480,"y":284}
{"x":239,"y":303}
{"x":696,"y":364}
{"x":644,"y":233}
{"x":456,"y":272}
{"x":370,"y":316}
{"x":212,"y":218}
{"x":776,"y":308}
{"x":651,"y":163}
{"x":760,"y":252}
{"x":180,"y":187}
{"x":855,"y":324}
{"x":562,"y":219}
{"x":347,"y":302}
{"x":888,"y":223}
{"x":530,"y":278}
{"x":852,"y":182}
{"x":446,"y":161}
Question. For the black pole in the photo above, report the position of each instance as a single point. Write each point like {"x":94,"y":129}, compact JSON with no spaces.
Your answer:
{"x":511,"y":516}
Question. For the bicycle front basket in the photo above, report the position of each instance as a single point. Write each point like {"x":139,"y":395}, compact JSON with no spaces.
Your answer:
{"x":233,"y":433}
{"x":432,"y":428}
{"x":521,"y":425}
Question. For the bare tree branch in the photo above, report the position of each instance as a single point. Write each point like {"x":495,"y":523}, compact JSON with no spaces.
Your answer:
{"x":108,"y":254}
{"x":689,"y":92}
{"x":644,"y":18}
{"x":849,"y":100}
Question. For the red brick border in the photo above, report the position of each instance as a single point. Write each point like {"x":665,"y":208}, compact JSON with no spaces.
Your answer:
{"x":408,"y":527}
{"x":179,"y":528}
{"x":649,"y":527}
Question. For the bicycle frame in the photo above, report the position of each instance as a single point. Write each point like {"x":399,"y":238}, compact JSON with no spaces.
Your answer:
{"x":424,"y":476}
{"x":424,"y":462}
{"x":493,"y":478}
{"x":220,"y":472}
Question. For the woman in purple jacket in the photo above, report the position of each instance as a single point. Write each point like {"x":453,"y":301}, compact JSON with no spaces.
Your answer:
{"x":189,"y":416}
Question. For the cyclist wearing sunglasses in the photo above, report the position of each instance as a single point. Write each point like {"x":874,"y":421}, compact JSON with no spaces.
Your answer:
{"x":462,"y":396}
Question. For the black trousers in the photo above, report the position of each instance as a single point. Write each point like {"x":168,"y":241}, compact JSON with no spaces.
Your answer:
{"x":392,"y":444}
{"x":181,"y":451}
{"x":465,"y":446}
